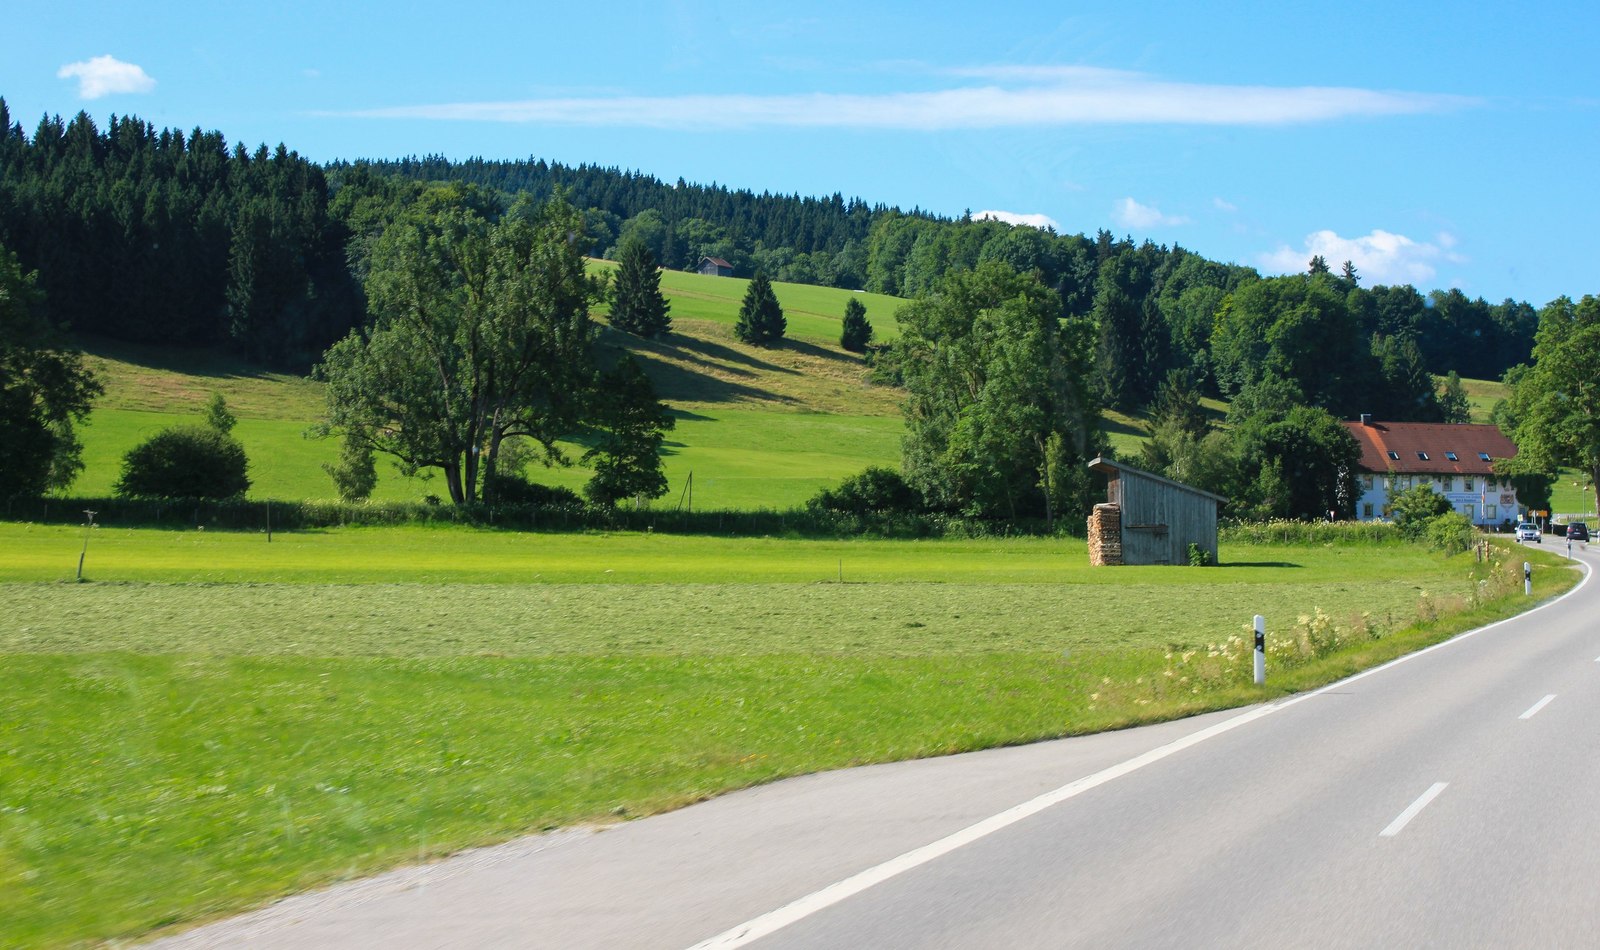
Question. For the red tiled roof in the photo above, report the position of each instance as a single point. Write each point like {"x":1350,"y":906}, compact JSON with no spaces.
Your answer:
{"x":716,"y":262}
{"x":1407,"y":439}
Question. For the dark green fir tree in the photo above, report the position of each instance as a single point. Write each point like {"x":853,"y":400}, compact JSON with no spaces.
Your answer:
{"x":637,"y":305}
{"x":761,"y":320}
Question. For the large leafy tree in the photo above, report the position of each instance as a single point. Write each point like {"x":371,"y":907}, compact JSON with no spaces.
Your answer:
{"x":761,"y":320}
{"x":480,"y":332}
{"x":999,"y":415}
{"x":637,"y":305}
{"x":45,"y":390}
{"x":1554,"y":407}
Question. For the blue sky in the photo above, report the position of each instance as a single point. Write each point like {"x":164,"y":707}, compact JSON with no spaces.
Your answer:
{"x":1430,"y":143}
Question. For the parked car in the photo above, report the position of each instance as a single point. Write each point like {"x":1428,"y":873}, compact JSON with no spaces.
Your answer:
{"x":1528,"y":531}
{"x":1577,"y":531}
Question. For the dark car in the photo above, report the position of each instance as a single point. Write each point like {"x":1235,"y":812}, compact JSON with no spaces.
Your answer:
{"x":1577,"y":531}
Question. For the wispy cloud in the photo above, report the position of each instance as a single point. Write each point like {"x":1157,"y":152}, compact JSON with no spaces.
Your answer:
{"x":1380,"y":257}
{"x":1132,"y":214}
{"x":105,"y":76}
{"x":1222,"y":204}
{"x":1014,"y":96}
{"x":1012,"y":217}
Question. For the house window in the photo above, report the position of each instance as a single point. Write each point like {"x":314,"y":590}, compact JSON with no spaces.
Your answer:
{"x":1484,"y":456}
{"x":1489,"y":512}
{"x":1423,"y":456}
{"x":1366,"y":483}
{"x":1450,"y":455}
{"x":1366,"y":510}
{"x":1468,"y":510}
{"x":1403,"y":482}
{"x":1466,"y":484}
{"x":1394,"y":455}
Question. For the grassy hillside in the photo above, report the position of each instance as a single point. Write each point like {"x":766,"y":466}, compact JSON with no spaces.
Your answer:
{"x":757,"y":427}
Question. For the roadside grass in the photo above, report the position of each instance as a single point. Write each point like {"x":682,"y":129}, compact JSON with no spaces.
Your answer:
{"x":183,"y":750}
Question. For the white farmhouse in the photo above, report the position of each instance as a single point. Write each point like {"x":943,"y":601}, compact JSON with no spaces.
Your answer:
{"x":1456,"y":461}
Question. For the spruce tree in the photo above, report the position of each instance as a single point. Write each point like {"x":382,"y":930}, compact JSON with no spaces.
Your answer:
{"x":855,"y":332}
{"x":761,"y":320}
{"x":637,"y":305}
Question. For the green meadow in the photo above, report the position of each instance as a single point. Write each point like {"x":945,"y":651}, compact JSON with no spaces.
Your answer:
{"x":215,"y":720}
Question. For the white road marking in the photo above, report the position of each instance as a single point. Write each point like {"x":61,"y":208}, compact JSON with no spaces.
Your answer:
{"x":775,"y":920}
{"x":1537,"y":706}
{"x":1411,"y":811}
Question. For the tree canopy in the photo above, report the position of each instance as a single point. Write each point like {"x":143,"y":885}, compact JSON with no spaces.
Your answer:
{"x":1000,"y":420}
{"x":1554,"y":406}
{"x":45,"y":390}
{"x":480,"y":332}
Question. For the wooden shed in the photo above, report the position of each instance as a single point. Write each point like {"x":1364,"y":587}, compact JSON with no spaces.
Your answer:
{"x":1148,"y":519}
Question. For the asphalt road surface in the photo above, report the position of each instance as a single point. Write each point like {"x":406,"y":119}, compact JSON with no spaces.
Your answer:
{"x":1450,"y":799}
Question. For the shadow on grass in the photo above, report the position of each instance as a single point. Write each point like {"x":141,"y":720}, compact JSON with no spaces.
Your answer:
{"x":1259,"y":564}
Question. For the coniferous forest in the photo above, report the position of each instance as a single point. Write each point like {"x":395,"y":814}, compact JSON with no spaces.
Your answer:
{"x":163,"y":236}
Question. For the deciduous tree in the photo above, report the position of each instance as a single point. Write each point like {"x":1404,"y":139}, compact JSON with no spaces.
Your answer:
{"x":45,"y":390}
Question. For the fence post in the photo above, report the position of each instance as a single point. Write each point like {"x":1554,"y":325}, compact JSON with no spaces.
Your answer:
{"x":1261,"y":649}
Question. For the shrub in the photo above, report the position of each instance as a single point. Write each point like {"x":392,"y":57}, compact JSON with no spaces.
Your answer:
{"x":185,"y":462}
{"x":1451,"y":532}
{"x":875,"y":489}
{"x":1415,"y":507}
{"x":1198,"y":556}
{"x":354,"y":475}
{"x":516,"y":490}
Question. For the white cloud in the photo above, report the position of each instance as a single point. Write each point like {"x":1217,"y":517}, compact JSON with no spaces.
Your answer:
{"x":1379,"y":258}
{"x":1132,"y":214}
{"x":1041,"y":221}
{"x":1222,"y":205}
{"x":1015,"y":97}
{"x":106,"y":75}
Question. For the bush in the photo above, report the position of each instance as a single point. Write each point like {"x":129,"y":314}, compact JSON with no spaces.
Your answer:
{"x":875,"y":490}
{"x":185,"y":462}
{"x":1415,"y":508}
{"x":1451,"y":532}
{"x":516,"y":490}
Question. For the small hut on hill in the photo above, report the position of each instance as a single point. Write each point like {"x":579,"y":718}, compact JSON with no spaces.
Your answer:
{"x":1148,"y":519}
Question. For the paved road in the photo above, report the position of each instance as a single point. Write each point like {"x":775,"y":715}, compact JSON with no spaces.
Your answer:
{"x":1451,"y":799}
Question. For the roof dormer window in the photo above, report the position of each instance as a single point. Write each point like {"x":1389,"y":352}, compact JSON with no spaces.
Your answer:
{"x":1394,"y":455}
{"x":1484,"y":456}
{"x":1423,"y":456}
{"x":1451,"y":456}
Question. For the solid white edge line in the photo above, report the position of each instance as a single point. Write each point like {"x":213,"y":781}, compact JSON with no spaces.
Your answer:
{"x":775,"y":920}
{"x":1537,"y":706}
{"x":1412,"y":809}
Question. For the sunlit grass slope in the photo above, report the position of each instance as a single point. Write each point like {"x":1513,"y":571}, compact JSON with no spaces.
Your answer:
{"x":758,"y":427}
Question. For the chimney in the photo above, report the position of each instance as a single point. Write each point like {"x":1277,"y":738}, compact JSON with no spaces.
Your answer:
{"x":1366,"y":418}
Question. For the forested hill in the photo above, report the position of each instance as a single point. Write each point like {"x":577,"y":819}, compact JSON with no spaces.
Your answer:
{"x":160,"y":236}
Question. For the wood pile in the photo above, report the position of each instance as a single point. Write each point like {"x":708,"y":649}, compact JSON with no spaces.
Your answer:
{"x":1105,"y":535}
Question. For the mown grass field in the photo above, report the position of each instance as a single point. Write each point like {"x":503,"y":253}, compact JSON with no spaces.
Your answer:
{"x":216,"y":720}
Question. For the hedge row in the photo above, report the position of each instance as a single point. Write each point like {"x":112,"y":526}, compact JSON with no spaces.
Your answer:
{"x":242,"y":515}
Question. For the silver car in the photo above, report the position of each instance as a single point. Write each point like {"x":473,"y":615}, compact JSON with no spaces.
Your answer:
{"x":1527,"y":531}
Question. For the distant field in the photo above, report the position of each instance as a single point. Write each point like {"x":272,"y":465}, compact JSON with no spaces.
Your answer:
{"x":813,"y":313}
{"x":1483,"y":394}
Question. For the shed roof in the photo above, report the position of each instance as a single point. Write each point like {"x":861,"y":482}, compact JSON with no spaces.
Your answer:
{"x":716,"y":262}
{"x":1102,"y":464}
{"x":1427,"y":447}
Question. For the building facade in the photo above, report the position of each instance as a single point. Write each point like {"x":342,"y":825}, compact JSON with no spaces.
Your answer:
{"x":715,"y":267}
{"x":1457,"y":461}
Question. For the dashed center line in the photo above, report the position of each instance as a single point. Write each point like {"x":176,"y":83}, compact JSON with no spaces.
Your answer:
{"x":1412,"y":810}
{"x":1537,"y":706}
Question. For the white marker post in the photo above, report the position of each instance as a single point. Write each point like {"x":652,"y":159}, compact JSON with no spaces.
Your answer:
{"x":1261,"y":649}
{"x":1527,"y":578}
